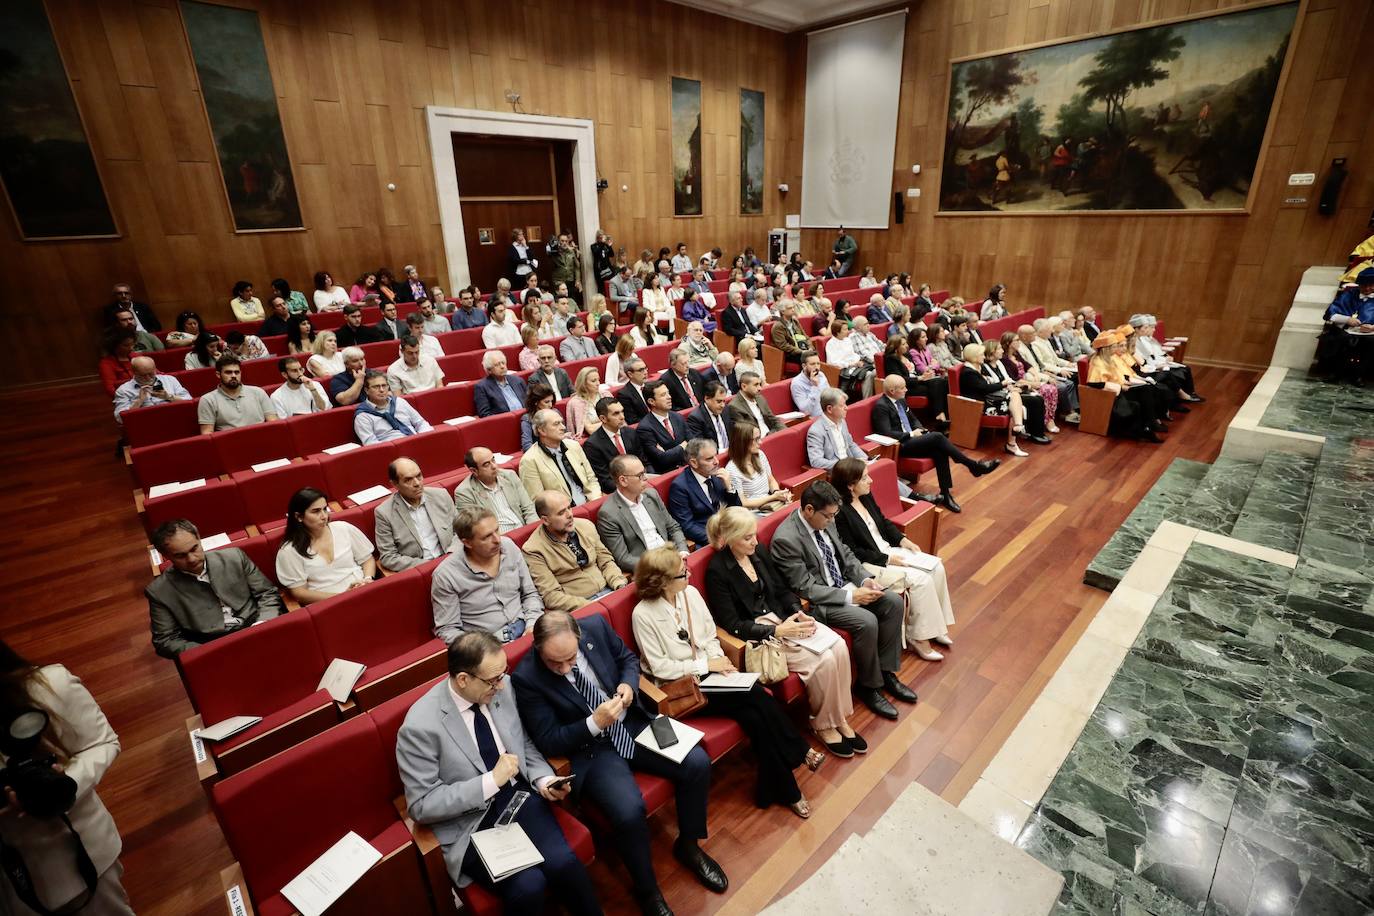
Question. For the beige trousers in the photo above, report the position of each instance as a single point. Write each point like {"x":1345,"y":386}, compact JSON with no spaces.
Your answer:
{"x":929,"y":612}
{"x":826,"y":677}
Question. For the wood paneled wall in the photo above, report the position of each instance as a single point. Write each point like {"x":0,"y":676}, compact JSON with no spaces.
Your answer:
{"x":352,"y":78}
{"x":1225,"y":281}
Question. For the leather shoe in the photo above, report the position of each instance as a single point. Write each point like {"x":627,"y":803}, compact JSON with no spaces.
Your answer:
{"x":875,"y":701}
{"x":706,"y":869}
{"x":1039,"y":440}
{"x":946,"y":499}
{"x":899,"y":690}
{"x":653,"y":904}
{"x":926,"y":497}
{"x":842,"y":748}
{"x":985,"y":467}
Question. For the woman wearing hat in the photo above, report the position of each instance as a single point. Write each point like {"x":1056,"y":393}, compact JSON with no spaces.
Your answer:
{"x":1130,"y":414}
{"x":1154,"y":359}
{"x":1160,"y":393}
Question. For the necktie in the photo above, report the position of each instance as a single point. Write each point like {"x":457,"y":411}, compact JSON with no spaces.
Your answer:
{"x":831,"y":566}
{"x":710,"y":492}
{"x":619,"y":447}
{"x":486,"y":741}
{"x":721,"y":439}
{"x":901,"y":415}
{"x":619,"y":734}
{"x":1035,"y":359}
{"x":667,"y":424}
{"x":687,"y":387}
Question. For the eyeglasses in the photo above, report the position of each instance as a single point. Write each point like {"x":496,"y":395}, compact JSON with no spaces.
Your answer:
{"x":489,"y":681}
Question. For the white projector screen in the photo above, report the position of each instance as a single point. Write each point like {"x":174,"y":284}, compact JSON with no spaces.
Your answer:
{"x":853,"y":84}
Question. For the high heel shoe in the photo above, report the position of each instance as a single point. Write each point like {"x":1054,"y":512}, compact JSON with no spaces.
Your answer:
{"x":814,"y":759}
{"x":1051,"y":428}
{"x":1016,"y":450}
{"x":801,"y":808}
{"x":945,"y":641}
{"x":931,"y":656}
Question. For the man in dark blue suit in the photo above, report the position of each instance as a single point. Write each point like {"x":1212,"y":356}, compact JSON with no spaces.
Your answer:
{"x":700,"y":491}
{"x":710,"y":420}
{"x":661,"y":432}
{"x":684,"y":384}
{"x":576,"y":695}
{"x":723,"y":371}
{"x":501,"y":391}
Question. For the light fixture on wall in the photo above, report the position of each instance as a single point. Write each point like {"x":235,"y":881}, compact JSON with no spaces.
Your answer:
{"x":782,"y":189}
{"x":513,"y":98}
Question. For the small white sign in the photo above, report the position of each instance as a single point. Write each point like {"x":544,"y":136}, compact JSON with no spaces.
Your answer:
{"x":198,"y":748}
{"x":214,"y":541}
{"x":340,"y":449}
{"x":371,"y":494}
{"x":269,"y":465}
{"x":235,"y":897}
{"x":1302,"y":178}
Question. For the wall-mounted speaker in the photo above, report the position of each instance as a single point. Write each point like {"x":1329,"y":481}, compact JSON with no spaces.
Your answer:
{"x":899,"y":205}
{"x":1331,"y":190}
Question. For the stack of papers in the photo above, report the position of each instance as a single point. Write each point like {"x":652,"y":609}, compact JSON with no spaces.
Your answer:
{"x":505,"y":850}
{"x":687,"y":738}
{"x":340,"y":678}
{"x":790,"y":415}
{"x":740,"y":680}
{"x":880,"y":439}
{"x":165,"y":489}
{"x":458,"y":421}
{"x":819,"y":641}
{"x":340,"y":449}
{"x":324,"y":881}
{"x":227,"y":728}
{"x":371,"y":494}
{"x":274,"y":463}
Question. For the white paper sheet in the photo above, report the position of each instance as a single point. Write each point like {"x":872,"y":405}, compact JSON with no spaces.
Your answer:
{"x":340,"y":678}
{"x":819,"y":641}
{"x":226,"y":728}
{"x":325,"y":880}
{"x":340,"y":449}
{"x":371,"y":494}
{"x":790,"y":415}
{"x":740,"y":680}
{"x":502,"y":457}
{"x":505,"y":850}
{"x":269,"y":465}
{"x":166,"y":489}
{"x":880,"y":439}
{"x":687,"y":738}
{"x":459,"y":421}
{"x":214,"y":541}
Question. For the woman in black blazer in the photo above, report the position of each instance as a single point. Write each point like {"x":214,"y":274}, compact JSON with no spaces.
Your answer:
{"x":895,"y":561}
{"x":743,"y":587}
{"x":999,"y":398}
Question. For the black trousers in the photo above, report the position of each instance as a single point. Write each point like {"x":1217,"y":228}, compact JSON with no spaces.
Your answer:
{"x":935,"y":390}
{"x":937,"y":448}
{"x":1035,"y":413}
{"x":776,"y":743}
{"x":1128,"y":417}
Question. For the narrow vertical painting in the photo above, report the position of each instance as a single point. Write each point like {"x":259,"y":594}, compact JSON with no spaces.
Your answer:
{"x":686,"y":140}
{"x":750,"y":152}
{"x":236,"y":87}
{"x":46,"y":163}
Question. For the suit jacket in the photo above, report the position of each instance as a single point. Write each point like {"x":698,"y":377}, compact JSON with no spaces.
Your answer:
{"x":803,"y":568}
{"x":659,"y":450}
{"x":784,"y":337}
{"x":356,"y":337}
{"x":564,"y":383}
{"x":405,"y":293}
{"x":887,"y":422}
{"x":390,"y":330}
{"x":487,"y":397}
{"x":635,"y":405}
{"x":688,"y":504}
{"x":442,"y":769}
{"x":1089,"y":328}
{"x":701,"y":425}
{"x":398,"y":543}
{"x":820,"y":447}
{"x":734,"y":322}
{"x":538,"y":472}
{"x":621,"y":533}
{"x":740,"y":413}
{"x":185,"y":613}
{"x":563,"y":584}
{"x":732,"y":599}
{"x":600,"y":451}
{"x":624,"y":294}
{"x":675,"y":387}
{"x":730,"y":380}
{"x":859,"y":539}
{"x":471,"y":494}
{"x":514,"y":260}
{"x":878,"y":314}
{"x":973,"y":384}
{"x":555,"y":714}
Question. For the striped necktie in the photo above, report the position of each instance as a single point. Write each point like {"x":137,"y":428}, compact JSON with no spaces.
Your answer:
{"x":619,"y":734}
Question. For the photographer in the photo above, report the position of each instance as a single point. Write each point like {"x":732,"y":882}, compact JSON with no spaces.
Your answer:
{"x":603,"y":260}
{"x":147,"y":387}
{"x":59,"y":848}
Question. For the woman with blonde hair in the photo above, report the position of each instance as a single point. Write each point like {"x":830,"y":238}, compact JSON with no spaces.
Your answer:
{"x":1000,"y":397}
{"x":615,"y":363}
{"x":747,"y":359}
{"x":596,"y":307}
{"x":327,"y":361}
{"x":581,"y":406}
{"x":750,"y":472}
{"x":677,"y":637}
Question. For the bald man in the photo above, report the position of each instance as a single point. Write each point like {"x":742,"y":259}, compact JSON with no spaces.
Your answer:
{"x":415,"y":523}
{"x":146,"y":388}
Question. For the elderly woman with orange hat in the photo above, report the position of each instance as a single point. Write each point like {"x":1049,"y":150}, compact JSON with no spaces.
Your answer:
{"x":1163,"y":392}
{"x":1131,"y":411}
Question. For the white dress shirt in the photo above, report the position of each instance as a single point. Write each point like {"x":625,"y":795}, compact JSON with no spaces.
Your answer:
{"x":424,"y":527}
{"x":425,"y":375}
{"x":758,"y":416}
{"x":646,"y":525}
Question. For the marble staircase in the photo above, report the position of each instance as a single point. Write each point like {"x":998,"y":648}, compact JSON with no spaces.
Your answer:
{"x":1216,"y":503}
{"x":1276,"y":508}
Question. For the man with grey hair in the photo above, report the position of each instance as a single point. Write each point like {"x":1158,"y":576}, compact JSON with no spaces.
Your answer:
{"x":634,"y":519}
{"x":789,"y":336}
{"x":551,"y":374}
{"x":735,"y":319}
{"x":555,"y":462}
{"x":485,"y":586}
{"x":500,"y":392}
{"x":684,"y":384}
{"x":415,"y":523}
{"x":877,"y":309}
{"x":147,"y":386}
{"x":701,"y":490}
{"x":723,"y":370}
{"x":411,"y":288}
{"x":1070,"y":345}
{"x":1032,"y":346}
{"x":828,"y":440}
{"x":760,"y":311}
{"x":865,"y":342}
{"x":346,"y":387}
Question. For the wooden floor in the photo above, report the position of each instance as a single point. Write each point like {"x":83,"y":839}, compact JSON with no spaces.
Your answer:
{"x":73,"y":558}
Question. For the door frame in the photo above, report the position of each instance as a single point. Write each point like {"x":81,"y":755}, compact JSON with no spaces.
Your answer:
{"x":443,"y":123}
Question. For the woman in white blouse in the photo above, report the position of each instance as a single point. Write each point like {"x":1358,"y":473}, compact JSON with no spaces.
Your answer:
{"x":615,"y":363}
{"x":319,"y":558}
{"x":994,"y":306}
{"x":759,"y":312}
{"x":869,"y":278}
{"x":747,"y":359}
{"x":748,"y":466}
{"x":501,"y":330}
{"x":329,"y":296}
{"x":677,"y":637}
{"x":840,"y":351}
{"x":655,"y":299}
{"x":643,"y":330}
{"x":327,"y":361}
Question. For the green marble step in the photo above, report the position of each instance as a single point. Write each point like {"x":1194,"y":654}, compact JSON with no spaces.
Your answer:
{"x":1275,"y":511}
{"x":1217,"y":501}
{"x":1168,"y":494}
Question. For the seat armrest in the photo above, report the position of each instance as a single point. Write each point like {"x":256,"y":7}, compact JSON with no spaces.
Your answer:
{"x":431,"y":860}
{"x":651,"y":692}
{"x":562,"y":766}
{"x":236,"y":899}
{"x":733,"y":647}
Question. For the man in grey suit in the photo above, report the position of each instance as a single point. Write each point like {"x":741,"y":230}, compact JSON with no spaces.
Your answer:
{"x":495,"y":489}
{"x":819,"y":567}
{"x":551,"y":374}
{"x":462,"y":755}
{"x":204,"y":596}
{"x":416,"y":523}
{"x":828,"y":440}
{"x":633,"y":519}
{"x":625,"y":291}
{"x":750,"y":407}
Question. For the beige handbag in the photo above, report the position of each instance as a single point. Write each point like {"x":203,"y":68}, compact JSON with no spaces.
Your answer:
{"x":766,"y":657}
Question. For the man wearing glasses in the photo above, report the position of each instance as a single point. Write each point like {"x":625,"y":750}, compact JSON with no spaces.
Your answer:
{"x":124,"y":299}
{"x":484,"y":587}
{"x":570,"y":565}
{"x":471,"y":717}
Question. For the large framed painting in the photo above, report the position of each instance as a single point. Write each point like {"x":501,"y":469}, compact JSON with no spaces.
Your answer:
{"x":1167,"y":118}
{"x":686,"y":140}
{"x":750,"y":152}
{"x":236,"y":86}
{"x":49,"y":173}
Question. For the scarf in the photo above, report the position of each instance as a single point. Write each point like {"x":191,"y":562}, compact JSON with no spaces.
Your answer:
{"x":366,"y":406}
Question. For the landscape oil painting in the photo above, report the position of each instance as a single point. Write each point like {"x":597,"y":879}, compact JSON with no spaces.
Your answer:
{"x":236,"y":84}
{"x":686,"y":140}
{"x":1169,"y":117}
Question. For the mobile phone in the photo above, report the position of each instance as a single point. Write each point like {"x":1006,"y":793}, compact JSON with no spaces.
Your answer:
{"x":559,"y":782}
{"x":663,"y":731}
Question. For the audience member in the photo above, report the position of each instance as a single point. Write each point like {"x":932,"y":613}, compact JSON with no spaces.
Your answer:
{"x":661,"y":431}
{"x":807,"y":386}
{"x":327,"y":360}
{"x":245,"y":346}
{"x":878,"y":312}
{"x":1035,"y":348}
{"x":486,"y":586}
{"x":205,"y":350}
{"x":701,"y":490}
{"x":492,"y":488}
{"x":1014,"y":365}
{"x":570,"y":565}
{"x":625,"y":291}
{"x":606,"y":337}
{"x":1089,"y":326}
{"x":390,"y":326}
{"x":364,"y":286}
{"x":501,"y":330}
{"x":300,"y":336}
{"x":124,"y":319}
{"x":999,"y":395}
{"x":329,"y":296}
{"x":994,"y":306}
{"x":297,"y":394}
{"x":760,"y":312}
{"x":415,"y":523}
{"x":940,"y":348}
{"x":146,"y":387}
{"x":551,"y":374}
{"x":319,"y":558}
{"x":634,"y":519}
{"x":751,"y":473}
{"x":922,"y":375}
{"x":278,"y":315}
{"x":708,"y":420}
{"x":695,"y":308}
{"x":747,"y":359}
{"x":353,"y":332}
{"x":1153,"y":358}
{"x":232,"y":404}
{"x":642,"y":331}
{"x":203,"y":595}
{"x":538,"y":397}
{"x":816,"y":564}
{"x":789,"y":336}
{"x":414,"y":371}
{"x":735,"y":320}
{"x":1133,"y":409}
{"x":1073,"y":342}
{"x":380,"y":417}
{"x":685,"y":385}
{"x":346,"y":386}
{"x":722,"y":369}
{"x":750,"y":407}
{"x":613,"y":437}
{"x":501,"y":391}
{"x":144,"y":317}
{"x":555,"y":462}
{"x":669,"y":607}
{"x":469,"y":313}
{"x":828,"y":440}
{"x":892,"y":417}
{"x":581,"y":407}
{"x":577,"y":345}
{"x":296,"y":303}
{"x":412,"y":288}
{"x":700,"y":351}
{"x":856,"y":372}
{"x":750,"y":599}
{"x":244,"y":305}
{"x":188,"y":327}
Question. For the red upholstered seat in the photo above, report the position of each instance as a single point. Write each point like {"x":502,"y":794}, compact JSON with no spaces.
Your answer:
{"x":770,"y":522}
{"x":381,"y":354}
{"x":786,"y":453}
{"x":240,"y":449}
{"x":161,"y":423}
{"x":170,"y":462}
{"x":437,"y":452}
{"x":265,"y":494}
{"x":172,"y":359}
{"x":463,"y":340}
{"x":779,"y":397}
{"x":356,"y":470}
{"x":315,"y":432}
{"x":262,"y":553}
{"x":444,"y":403}
{"x":197,"y":381}
{"x":214,"y":509}
{"x":364,"y":518}
{"x":500,"y":433}
{"x":261,"y":372}
{"x":721,"y":734}
{"x":463,"y":366}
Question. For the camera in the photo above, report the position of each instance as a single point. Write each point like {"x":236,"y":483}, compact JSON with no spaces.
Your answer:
{"x":41,"y":790}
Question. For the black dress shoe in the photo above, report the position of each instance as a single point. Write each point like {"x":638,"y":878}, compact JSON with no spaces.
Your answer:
{"x":875,"y":701}
{"x":653,"y":904}
{"x":858,"y":744}
{"x":946,"y":499}
{"x":1039,"y":440}
{"x":926,"y":497}
{"x":706,"y":869}
{"x":1151,"y":437}
{"x":899,"y":690}
{"x":985,"y":467}
{"x":843,"y":748}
